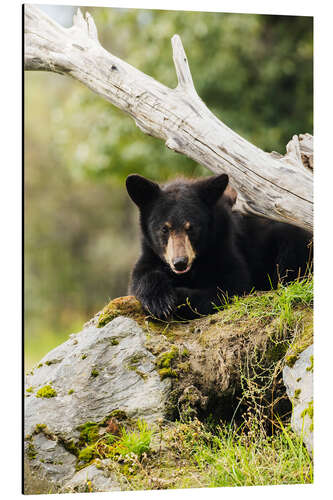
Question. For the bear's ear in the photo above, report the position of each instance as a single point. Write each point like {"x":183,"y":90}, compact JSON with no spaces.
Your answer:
{"x":212,"y":188}
{"x":230,"y":195}
{"x":141,"y":190}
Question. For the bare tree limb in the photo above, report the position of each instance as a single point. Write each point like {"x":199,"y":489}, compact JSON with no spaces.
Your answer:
{"x":275,"y":186}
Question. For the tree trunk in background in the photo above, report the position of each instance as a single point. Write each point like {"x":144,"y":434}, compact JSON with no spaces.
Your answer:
{"x":275,"y":186}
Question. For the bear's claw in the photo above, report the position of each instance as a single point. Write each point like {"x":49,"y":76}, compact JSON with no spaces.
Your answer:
{"x":160,"y":308}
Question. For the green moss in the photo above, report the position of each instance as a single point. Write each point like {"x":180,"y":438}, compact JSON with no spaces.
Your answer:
{"x":164,"y":360}
{"x":89,"y":433}
{"x":167,"y":372}
{"x":46,"y":392}
{"x":184,"y":366}
{"x":185,"y":352}
{"x":141,"y":374}
{"x":303,"y":340}
{"x":134,"y":360}
{"x":114,"y":341}
{"x":40,"y":365}
{"x":89,"y":436}
{"x":44,"y":429}
{"x":309,"y":411}
{"x":132,"y":365}
{"x":31,"y":450}
{"x":127,"y":306}
{"x":69,"y":445}
{"x":276,"y":351}
{"x":291,"y":359}
{"x":98,"y":464}
{"x":40,"y":428}
{"x":30,"y":389}
{"x":297,"y":393}
{"x":70,"y":391}
{"x":94,"y":372}
{"x":83,"y":356}
{"x":310,"y":368}
{"x":87,"y":454}
{"x":52,"y":362}
{"x":118,"y":414}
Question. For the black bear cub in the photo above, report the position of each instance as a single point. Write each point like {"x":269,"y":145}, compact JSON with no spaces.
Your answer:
{"x":196,"y":250}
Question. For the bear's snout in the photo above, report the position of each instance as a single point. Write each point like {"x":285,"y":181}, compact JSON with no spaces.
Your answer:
{"x":180,"y":263}
{"x":179,"y":253}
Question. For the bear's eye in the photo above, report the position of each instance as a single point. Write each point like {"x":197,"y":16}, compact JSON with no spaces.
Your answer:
{"x":165,"y":229}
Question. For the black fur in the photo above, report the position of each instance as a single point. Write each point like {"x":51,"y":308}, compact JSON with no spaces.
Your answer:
{"x":234,"y":253}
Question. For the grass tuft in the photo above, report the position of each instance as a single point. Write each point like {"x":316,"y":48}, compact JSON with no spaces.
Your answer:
{"x":279,"y":303}
{"x":131,"y":442}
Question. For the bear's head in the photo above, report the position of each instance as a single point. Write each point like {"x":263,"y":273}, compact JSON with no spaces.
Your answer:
{"x":177,"y":218}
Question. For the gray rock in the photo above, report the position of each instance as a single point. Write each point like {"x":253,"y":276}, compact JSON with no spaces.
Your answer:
{"x":92,"y":479}
{"x":52,"y":460}
{"x":298,"y":380}
{"x":95,"y":372}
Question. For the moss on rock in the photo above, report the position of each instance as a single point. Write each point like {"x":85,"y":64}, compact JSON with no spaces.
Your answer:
{"x":164,"y":360}
{"x":309,"y":411}
{"x":303,"y":339}
{"x":87,"y":454}
{"x":167,"y":372}
{"x":310,"y":368}
{"x":127,"y":306}
{"x":46,"y":392}
{"x":30,"y":448}
{"x":40,"y":428}
{"x":89,"y":433}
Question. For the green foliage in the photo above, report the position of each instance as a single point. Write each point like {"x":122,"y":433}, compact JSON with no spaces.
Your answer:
{"x":278,"y":303}
{"x":199,"y":454}
{"x":130,"y":442}
{"x":254,"y":459}
{"x":137,"y":442}
{"x":285,"y":317}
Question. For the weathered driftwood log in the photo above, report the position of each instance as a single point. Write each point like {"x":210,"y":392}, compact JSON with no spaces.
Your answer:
{"x":275,"y":186}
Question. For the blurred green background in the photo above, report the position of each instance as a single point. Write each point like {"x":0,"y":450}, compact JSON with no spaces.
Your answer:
{"x":81,"y":231}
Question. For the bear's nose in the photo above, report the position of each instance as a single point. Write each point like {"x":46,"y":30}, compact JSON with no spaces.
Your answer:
{"x":180,"y":263}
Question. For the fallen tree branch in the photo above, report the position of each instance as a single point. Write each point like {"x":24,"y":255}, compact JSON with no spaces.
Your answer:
{"x":275,"y":186}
